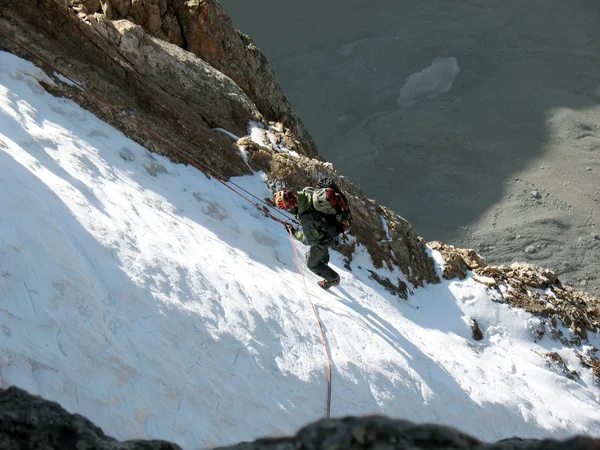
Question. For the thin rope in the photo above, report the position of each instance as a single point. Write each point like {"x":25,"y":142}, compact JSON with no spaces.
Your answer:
{"x":189,"y":158}
{"x":204,"y":168}
{"x":328,"y":415}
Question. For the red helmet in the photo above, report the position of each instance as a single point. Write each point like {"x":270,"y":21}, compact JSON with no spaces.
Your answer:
{"x":286,"y":200}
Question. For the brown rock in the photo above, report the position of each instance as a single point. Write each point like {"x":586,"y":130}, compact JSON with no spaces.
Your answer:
{"x":203,"y":28}
{"x":175,"y":94}
{"x":458,"y":260}
{"x":540,"y":292}
{"x":477,"y":333}
{"x":401,"y":247}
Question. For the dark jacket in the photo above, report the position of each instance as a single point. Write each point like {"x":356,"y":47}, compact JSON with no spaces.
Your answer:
{"x":316,"y":229}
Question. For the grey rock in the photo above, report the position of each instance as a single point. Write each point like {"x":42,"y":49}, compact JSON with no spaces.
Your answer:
{"x":28,"y":421}
{"x":31,"y":422}
{"x":536,"y":194}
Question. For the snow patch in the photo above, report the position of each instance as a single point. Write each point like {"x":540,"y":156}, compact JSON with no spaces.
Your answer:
{"x":68,"y":81}
{"x":429,"y":82}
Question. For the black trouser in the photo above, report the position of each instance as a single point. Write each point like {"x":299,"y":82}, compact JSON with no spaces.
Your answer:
{"x":317,"y":258}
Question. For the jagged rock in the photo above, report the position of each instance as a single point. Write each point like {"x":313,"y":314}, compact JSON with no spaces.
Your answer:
{"x":28,"y":421}
{"x":477,"y":333}
{"x":532,"y":276}
{"x":591,"y":362}
{"x":536,"y":290}
{"x":539,"y":291}
{"x":400,"y":246}
{"x":168,"y":67}
{"x":172,"y":93}
{"x":400,"y":288}
{"x":250,"y":146}
{"x":458,"y":260}
{"x":555,"y":360}
{"x":181,"y":98}
{"x":157,"y":17}
{"x":203,"y":28}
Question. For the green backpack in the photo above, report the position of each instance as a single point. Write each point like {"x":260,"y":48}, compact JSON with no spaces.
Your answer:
{"x":329,"y":200}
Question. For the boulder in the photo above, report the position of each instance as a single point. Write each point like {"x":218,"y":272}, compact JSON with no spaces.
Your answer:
{"x":29,"y":421}
{"x":203,"y":28}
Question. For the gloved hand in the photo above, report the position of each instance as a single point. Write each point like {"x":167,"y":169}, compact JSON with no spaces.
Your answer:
{"x":290,"y":229}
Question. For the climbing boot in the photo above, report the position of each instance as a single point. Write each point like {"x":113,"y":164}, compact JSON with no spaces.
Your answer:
{"x":327,"y":284}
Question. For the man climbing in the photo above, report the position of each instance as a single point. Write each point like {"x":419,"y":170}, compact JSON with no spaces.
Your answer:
{"x":319,"y":229}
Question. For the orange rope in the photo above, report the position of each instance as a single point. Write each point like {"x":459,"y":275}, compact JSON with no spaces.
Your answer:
{"x":320,"y":327}
{"x":204,"y":169}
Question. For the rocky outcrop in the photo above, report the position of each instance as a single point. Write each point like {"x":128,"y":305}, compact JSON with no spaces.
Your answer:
{"x":179,"y":97}
{"x":203,"y":28}
{"x":458,"y":261}
{"x":538,"y":291}
{"x":28,"y":421}
{"x":389,"y":239}
{"x":535,"y":289}
{"x":167,"y":89}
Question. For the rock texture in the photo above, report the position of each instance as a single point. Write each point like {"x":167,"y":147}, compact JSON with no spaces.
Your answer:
{"x":458,"y":260}
{"x":394,"y":244}
{"x":167,"y":89}
{"x":507,"y":159}
{"x":538,"y":291}
{"x":203,"y":28}
{"x":181,"y":98}
{"x":28,"y":421}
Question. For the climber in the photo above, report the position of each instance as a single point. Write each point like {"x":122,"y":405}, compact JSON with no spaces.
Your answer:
{"x":321,"y":221}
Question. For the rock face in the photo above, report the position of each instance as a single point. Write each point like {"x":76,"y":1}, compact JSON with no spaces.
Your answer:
{"x":535,"y":289}
{"x":458,"y":260}
{"x":390,"y":239}
{"x":181,"y":98}
{"x":167,"y":89}
{"x":538,"y":291}
{"x":28,"y":421}
{"x":203,"y":28}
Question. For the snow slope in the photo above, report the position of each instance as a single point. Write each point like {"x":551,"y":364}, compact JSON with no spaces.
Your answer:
{"x":159,"y":304}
